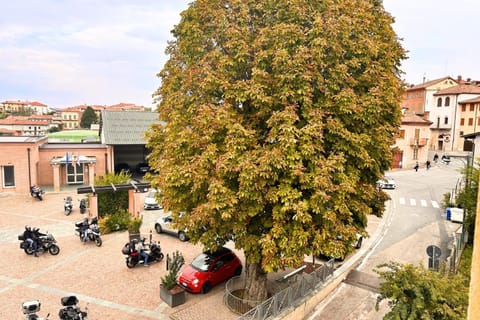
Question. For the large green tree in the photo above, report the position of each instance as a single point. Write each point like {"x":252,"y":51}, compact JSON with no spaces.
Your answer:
{"x":278,"y":119}
{"x":88,"y":118}
{"x":413,"y":292}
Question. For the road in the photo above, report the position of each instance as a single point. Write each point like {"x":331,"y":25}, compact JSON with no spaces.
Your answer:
{"x":415,"y":221}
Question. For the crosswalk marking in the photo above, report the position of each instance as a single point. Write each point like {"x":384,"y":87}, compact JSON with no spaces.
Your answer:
{"x":413,"y":202}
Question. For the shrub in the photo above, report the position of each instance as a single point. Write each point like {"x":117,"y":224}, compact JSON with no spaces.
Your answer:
{"x":117,"y":221}
{"x":174,"y":264}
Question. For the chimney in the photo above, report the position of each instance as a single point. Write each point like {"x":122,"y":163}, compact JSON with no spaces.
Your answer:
{"x":426,"y":115}
{"x":459,"y":78}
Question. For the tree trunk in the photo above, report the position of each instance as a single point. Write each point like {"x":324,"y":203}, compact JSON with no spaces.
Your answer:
{"x":256,"y":282}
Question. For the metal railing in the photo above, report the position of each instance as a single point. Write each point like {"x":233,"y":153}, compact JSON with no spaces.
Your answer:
{"x":306,"y":283}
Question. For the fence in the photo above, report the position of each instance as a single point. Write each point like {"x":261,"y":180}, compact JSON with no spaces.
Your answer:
{"x":290,"y":296}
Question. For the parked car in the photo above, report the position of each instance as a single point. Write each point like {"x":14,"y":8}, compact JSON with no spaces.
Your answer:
{"x":357,"y":244}
{"x":122,"y":166}
{"x":386,"y":182}
{"x":142,"y":168}
{"x":209,"y":269}
{"x":164,"y":225}
{"x":151,"y":201}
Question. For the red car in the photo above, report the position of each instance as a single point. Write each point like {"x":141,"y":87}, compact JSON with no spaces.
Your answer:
{"x":209,"y":269}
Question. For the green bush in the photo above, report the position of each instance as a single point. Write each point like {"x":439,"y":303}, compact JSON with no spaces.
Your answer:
{"x":117,"y":221}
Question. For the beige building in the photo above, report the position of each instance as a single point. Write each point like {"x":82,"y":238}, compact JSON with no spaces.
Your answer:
{"x":411,"y":145}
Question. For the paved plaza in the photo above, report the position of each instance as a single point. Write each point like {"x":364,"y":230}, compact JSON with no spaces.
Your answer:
{"x":98,"y":276}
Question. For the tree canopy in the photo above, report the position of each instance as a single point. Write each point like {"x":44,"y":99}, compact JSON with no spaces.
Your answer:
{"x":416,"y":293}
{"x":88,"y":118}
{"x":278,"y":120}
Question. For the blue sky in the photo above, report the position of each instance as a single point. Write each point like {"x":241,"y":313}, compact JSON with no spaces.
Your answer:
{"x":71,"y":52}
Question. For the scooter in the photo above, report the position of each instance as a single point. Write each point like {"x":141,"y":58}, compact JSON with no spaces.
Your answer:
{"x":71,"y":310}
{"x":68,"y":205}
{"x":83,"y":206}
{"x":36,"y":192}
{"x":133,"y":258}
{"x":30,"y":309}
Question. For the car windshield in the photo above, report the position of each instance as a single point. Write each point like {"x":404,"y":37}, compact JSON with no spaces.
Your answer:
{"x":151,"y":194}
{"x":202,"y":262}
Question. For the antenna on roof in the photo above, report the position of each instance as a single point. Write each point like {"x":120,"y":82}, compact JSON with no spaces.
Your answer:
{"x":424,"y":78}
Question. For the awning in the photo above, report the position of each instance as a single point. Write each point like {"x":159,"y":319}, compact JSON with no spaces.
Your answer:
{"x":73,"y":160}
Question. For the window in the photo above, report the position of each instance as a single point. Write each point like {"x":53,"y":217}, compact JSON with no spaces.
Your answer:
{"x":470,"y":121}
{"x":472,"y":107}
{"x":445,"y":120}
{"x":447,"y":101}
{"x":420,"y":94}
{"x":464,"y":108}
{"x":8,"y":176}
{"x":462,"y":121}
{"x":439,"y":102}
{"x":401,"y":134}
{"x":478,"y":121}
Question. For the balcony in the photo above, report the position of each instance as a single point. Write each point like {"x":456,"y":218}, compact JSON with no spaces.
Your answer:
{"x":418,"y":142}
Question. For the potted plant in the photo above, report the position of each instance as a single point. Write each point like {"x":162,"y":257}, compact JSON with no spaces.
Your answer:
{"x":134,"y":228}
{"x":170,"y":291}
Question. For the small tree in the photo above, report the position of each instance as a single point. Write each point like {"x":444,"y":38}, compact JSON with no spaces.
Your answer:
{"x":174,"y":264}
{"x":88,"y":117}
{"x":414,"y":292}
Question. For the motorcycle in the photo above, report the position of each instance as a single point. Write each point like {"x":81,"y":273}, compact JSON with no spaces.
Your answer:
{"x":91,"y":228}
{"x":133,"y":258}
{"x":36,"y":192}
{"x":68,"y":205}
{"x":83,"y":206}
{"x":71,"y":310}
{"x":45,"y":243}
{"x":30,"y":309}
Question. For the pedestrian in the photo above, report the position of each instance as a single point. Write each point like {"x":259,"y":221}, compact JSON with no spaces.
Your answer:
{"x":416,"y":166}
{"x":435,"y":158}
{"x":427,"y":164}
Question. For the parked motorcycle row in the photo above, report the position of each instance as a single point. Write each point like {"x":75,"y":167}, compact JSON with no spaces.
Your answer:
{"x":70,"y":310}
{"x":34,"y":242}
{"x":36,"y":192}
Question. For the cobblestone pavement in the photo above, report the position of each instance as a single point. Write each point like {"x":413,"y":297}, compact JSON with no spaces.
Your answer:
{"x":98,"y":276}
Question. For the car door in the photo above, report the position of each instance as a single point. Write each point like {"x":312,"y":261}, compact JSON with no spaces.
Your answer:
{"x":167,"y":225}
{"x":222,"y":268}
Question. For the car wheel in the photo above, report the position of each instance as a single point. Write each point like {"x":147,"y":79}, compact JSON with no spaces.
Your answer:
{"x":238,"y":271}
{"x":158,"y":228}
{"x":206,"y":287}
{"x":182,"y":236}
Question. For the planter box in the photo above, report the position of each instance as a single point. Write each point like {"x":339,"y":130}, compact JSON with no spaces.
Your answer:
{"x":173,"y":297}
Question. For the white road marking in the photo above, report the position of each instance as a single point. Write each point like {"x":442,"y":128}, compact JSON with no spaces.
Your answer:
{"x":423,"y":203}
{"x":413,"y":202}
{"x":435,"y":204}
{"x":401,"y":200}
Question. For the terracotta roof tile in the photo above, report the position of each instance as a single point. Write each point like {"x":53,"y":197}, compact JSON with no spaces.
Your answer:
{"x":473,"y":100}
{"x":429,"y":83}
{"x":459,"y":89}
{"x":413,"y":118}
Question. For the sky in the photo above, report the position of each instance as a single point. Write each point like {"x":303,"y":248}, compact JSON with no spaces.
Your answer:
{"x":73,"y":52}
